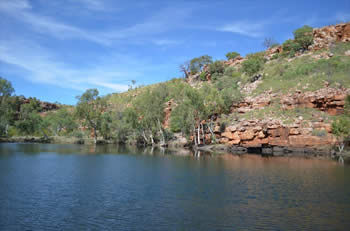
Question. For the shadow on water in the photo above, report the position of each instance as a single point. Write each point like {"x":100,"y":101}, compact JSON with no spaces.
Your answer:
{"x":110,"y":187}
{"x":35,"y":148}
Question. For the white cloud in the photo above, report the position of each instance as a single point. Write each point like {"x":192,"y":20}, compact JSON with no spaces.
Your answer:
{"x":251,"y":29}
{"x":165,"y":20}
{"x":14,"y":4}
{"x":94,"y":4}
{"x":40,"y":66}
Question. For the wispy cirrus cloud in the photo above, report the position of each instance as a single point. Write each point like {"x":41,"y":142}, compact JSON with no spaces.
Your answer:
{"x":96,"y":5}
{"x":163,"y":21}
{"x":39,"y":65}
{"x":251,"y":29}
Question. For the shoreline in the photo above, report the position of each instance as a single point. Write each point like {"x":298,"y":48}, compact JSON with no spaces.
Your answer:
{"x":276,"y":151}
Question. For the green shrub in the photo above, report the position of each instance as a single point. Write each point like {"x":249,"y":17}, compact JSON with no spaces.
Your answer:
{"x":215,"y":76}
{"x":232,"y":72}
{"x":257,"y":55}
{"x":339,"y":48}
{"x":13,"y":131}
{"x":275,"y":56}
{"x":290,"y":47}
{"x":341,"y":129}
{"x":203,"y":76}
{"x":253,"y":64}
{"x":319,"y":132}
{"x":304,"y":36}
{"x":232,"y":55}
{"x":217,"y":67}
{"x":347,"y":105}
{"x":222,"y":127}
{"x":77,"y":134}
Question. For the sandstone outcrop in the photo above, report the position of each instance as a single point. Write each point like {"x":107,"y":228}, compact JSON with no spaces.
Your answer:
{"x":326,"y":36}
{"x":270,"y":133}
{"x":330,"y":100}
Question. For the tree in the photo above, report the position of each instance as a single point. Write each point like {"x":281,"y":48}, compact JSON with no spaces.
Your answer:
{"x":6,"y":90}
{"x":187,"y":116}
{"x":290,"y":47}
{"x":30,"y":122}
{"x":61,"y":121}
{"x":90,"y":108}
{"x":217,"y":67}
{"x":150,"y":107}
{"x":269,"y":43}
{"x":341,"y":129}
{"x":185,"y":68}
{"x":253,"y":64}
{"x":197,"y":64}
{"x":232,"y":55}
{"x":304,"y":36}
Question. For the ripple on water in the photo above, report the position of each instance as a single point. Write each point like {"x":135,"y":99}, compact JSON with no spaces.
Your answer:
{"x":44,"y":187}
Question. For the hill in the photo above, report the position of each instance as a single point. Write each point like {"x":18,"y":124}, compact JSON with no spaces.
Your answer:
{"x":288,"y":97}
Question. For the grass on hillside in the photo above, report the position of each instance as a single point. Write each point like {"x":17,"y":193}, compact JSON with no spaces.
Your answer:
{"x":307,"y":73}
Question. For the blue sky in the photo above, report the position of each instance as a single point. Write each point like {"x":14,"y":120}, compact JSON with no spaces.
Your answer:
{"x":55,"y":50}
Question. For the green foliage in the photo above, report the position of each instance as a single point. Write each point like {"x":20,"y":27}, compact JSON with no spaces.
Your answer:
{"x":347,"y":105}
{"x":232,"y":55}
{"x":275,"y":56}
{"x":89,"y":109}
{"x":311,"y":74}
{"x":61,"y":122}
{"x":30,"y":123}
{"x":304,"y":36}
{"x":341,"y":128}
{"x":319,"y":132}
{"x":186,"y":115}
{"x":340,"y":48}
{"x":197,"y":64}
{"x":150,"y":108}
{"x":217,"y":67}
{"x":216,"y":70}
{"x":254,"y":63}
{"x":290,"y":47}
{"x":203,"y":76}
{"x":106,"y":125}
{"x":6,"y":111}
{"x":6,"y":88}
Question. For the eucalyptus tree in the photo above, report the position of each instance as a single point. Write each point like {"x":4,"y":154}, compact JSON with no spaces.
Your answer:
{"x":6,"y":90}
{"x":29,"y":121}
{"x":150,"y":108}
{"x":188,"y":115}
{"x":90,"y":109}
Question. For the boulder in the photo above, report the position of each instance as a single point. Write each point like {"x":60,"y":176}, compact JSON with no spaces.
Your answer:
{"x":247,"y":135}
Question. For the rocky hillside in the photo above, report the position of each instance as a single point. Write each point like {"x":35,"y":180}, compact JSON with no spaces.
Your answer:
{"x":290,"y":103}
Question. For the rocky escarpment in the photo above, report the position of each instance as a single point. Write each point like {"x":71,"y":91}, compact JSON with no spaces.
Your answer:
{"x":46,"y":106}
{"x":271,"y":133}
{"x":326,"y":36}
{"x":330,"y":100}
{"x":323,"y":37}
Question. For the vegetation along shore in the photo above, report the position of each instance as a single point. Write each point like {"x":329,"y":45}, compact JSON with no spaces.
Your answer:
{"x":291,"y":98}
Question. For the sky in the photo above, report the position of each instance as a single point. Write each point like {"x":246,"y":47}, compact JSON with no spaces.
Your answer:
{"x":55,"y":50}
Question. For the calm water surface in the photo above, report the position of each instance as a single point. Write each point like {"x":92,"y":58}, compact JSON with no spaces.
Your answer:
{"x":74,"y":187}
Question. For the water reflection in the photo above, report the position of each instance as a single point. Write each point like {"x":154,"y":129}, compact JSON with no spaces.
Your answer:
{"x":108,"y":187}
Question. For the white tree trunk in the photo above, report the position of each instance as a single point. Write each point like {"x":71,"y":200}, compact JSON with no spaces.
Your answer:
{"x":199,"y":136}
